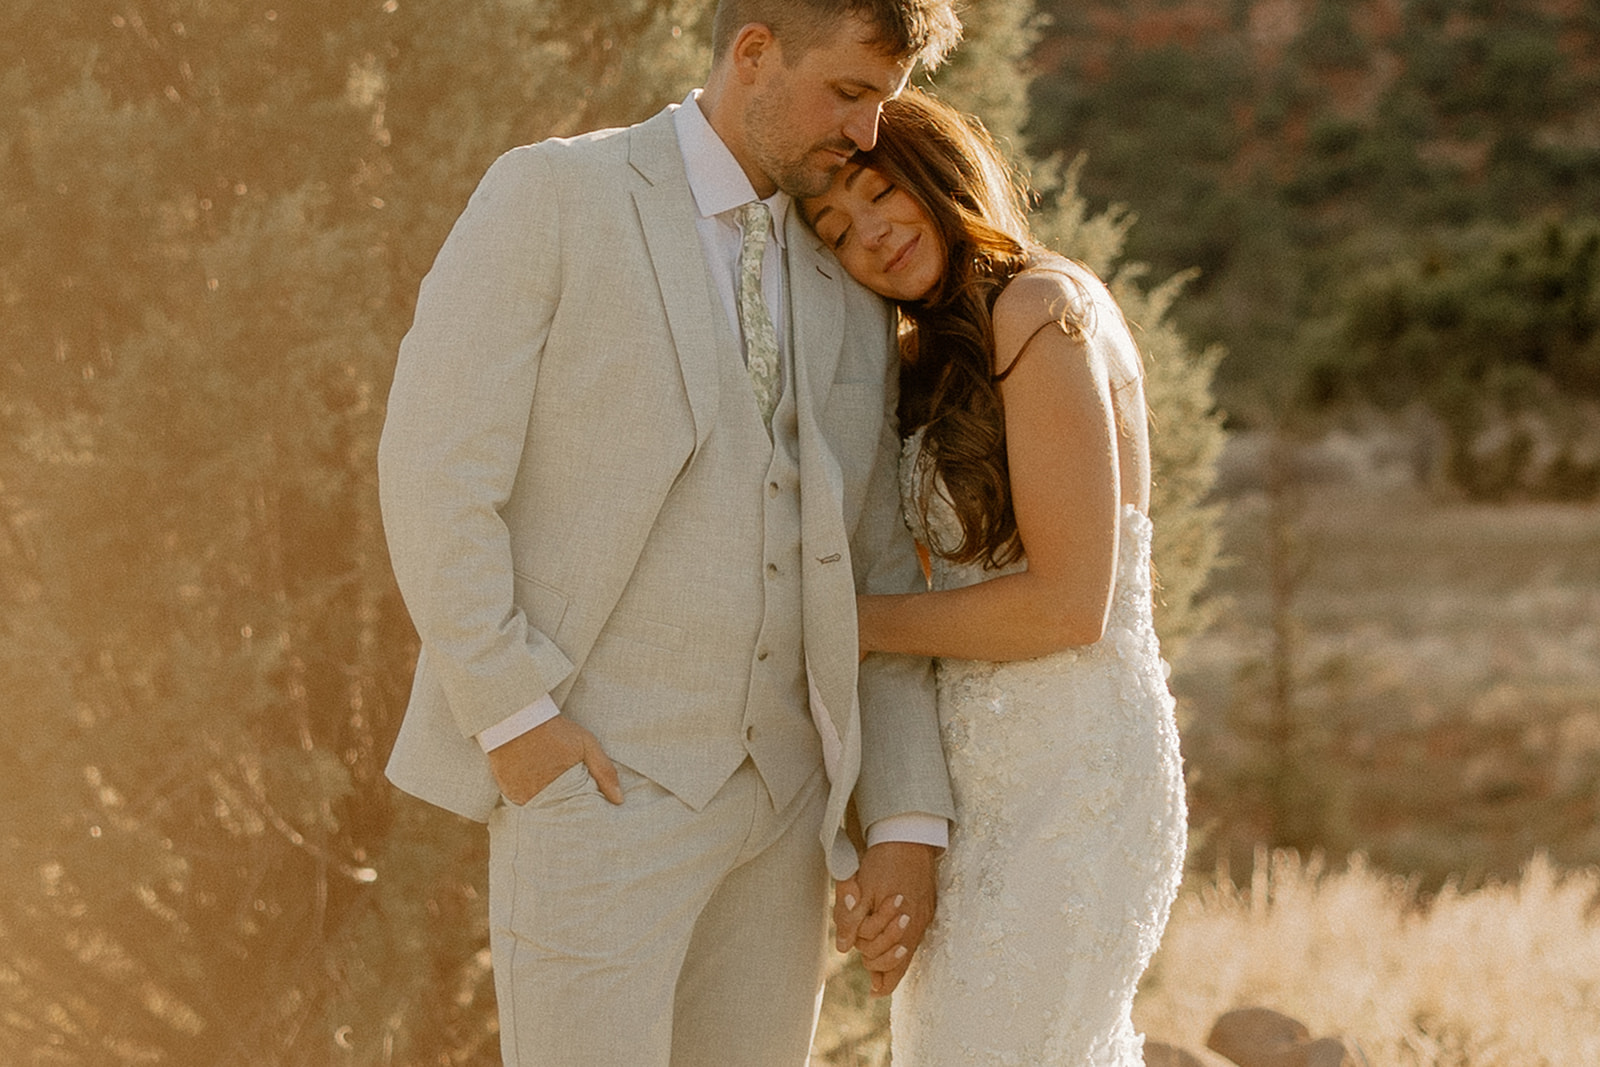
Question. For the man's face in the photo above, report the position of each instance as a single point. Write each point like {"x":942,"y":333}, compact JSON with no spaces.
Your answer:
{"x":808,"y":117}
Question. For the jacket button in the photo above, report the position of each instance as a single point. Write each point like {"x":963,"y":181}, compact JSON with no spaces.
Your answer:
{"x":762,"y":654}
{"x":772,"y":489}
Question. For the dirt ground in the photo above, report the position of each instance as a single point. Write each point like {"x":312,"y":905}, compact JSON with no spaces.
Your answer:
{"x":1424,"y":686}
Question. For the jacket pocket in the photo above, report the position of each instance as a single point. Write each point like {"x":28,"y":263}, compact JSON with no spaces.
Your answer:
{"x":644,"y":631}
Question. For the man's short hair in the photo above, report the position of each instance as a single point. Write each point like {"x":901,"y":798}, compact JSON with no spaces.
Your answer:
{"x":925,"y":30}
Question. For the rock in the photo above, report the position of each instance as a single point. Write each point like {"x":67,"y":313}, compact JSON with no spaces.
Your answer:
{"x":1331,"y":1052}
{"x":1261,"y":1037}
{"x":1248,"y":1035}
{"x":1157,"y":1054}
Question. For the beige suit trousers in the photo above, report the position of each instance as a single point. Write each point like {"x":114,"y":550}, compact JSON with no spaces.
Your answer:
{"x":652,"y":934}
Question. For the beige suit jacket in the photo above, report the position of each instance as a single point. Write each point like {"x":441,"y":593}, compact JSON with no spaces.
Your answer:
{"x":560,"y":373}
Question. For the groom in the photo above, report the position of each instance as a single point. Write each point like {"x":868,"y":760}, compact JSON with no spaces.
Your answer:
{"x":638,"y":460}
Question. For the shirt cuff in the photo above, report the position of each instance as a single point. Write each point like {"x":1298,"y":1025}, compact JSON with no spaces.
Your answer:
{"x":518,"y":723}
{"x":914,"y":826}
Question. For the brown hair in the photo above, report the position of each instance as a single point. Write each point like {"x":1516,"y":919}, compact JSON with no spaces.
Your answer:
{"x":924,"y":29}
{"x":948,"y":162}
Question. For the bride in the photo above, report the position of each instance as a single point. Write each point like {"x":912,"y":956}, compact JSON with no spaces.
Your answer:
{"x":1026,"y":474}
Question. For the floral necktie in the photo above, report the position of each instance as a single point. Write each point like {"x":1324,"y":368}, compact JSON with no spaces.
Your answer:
{"x":760,"y":338}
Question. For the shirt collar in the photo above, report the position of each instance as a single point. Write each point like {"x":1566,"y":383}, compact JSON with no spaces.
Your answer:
{"x":717,"y":181}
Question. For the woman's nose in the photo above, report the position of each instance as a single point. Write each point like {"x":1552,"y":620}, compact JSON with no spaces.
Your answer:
{"x":873,"y":230}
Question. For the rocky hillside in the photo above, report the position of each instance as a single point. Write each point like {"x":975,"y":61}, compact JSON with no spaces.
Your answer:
{"x":1282,"y":145}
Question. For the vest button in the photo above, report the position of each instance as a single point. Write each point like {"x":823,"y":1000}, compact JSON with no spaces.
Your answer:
{"x":772,"y":489}
{"x":762,"y":654}
{"x":772,"y":570}
{"x":749,"y":733}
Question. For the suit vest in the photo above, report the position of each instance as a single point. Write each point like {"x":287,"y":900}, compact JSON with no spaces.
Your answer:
{"x":701,"y":664}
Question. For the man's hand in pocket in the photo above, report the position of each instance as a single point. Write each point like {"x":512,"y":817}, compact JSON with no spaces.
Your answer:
{"x":523,"y":766}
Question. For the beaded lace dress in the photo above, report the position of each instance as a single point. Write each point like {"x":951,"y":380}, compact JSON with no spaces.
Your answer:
{"x":1069,"y":836}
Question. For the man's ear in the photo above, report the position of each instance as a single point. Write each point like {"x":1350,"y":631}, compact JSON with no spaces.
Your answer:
{"x":754,"y":49}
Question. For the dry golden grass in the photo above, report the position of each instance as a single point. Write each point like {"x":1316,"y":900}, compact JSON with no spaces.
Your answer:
{"x":1505,"y":976}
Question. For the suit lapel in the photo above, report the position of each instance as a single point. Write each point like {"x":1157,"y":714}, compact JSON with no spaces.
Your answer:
{"x":816,"y":307}
{"x":816,"y":312}
{"x":666,"y":214}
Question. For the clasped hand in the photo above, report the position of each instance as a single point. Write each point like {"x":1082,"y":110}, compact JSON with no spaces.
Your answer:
{"x":884,"y":910}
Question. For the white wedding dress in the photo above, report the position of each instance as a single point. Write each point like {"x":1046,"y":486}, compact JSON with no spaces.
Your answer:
{"x":1069,"y":835}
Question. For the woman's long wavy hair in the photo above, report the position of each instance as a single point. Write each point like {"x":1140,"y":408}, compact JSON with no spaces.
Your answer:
{"x":949,"y":383}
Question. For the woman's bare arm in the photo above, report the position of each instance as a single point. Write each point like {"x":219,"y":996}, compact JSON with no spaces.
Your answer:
{"x":1061,"y":445}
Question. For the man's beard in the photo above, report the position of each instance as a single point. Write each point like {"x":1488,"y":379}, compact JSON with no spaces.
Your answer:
{"x":801,"y":180}
{"x":799,"y":176}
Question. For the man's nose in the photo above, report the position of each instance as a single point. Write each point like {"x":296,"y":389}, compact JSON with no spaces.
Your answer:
{"x":862,"y":128}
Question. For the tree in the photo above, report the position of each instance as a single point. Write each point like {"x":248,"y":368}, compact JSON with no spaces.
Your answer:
{"x":1281,"y":149}
{"x":1498,"y":335}
{"x":216,"y":216}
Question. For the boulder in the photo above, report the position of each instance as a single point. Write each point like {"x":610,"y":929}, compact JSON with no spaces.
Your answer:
{"x":1261,"y":1037}
{"x":1158,"y":1054}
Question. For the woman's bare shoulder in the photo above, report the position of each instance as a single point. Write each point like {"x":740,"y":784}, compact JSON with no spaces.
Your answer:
{"x":1052,"y":290}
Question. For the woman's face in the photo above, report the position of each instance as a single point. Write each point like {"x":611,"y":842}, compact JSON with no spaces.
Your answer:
{"x":880,"y":233}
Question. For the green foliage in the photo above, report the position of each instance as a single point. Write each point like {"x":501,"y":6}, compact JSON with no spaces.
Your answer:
{"x":1160,"y":104}
{"x":1282,"y":150}
{"x":1329,"y":41}
{"x":984,"y":75}
{"x":1499,"y":335}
